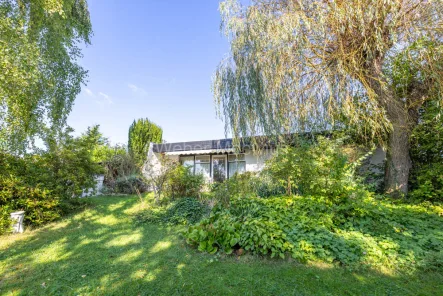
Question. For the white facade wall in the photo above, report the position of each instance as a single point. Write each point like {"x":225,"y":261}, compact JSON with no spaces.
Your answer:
{"x":98,"y":187}
{"x":256,"y":162}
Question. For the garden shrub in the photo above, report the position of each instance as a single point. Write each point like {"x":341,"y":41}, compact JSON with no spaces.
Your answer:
{"x":46,"y":183}
{"x":349,"y":231}
{"x":182,"y":211}
{"x":130,"y":185}
{"x":185,"y":211}
{"x":245,"y":184}
{"x":317,"y":167}
{"x":39,"y":204}
{"x":5,"y":221}
{"x":118,"y":165}
{"x":181,"y":182}
{"x":426,"y":179}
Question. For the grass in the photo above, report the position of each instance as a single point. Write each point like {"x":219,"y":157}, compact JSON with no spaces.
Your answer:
{"x":100,"y":251}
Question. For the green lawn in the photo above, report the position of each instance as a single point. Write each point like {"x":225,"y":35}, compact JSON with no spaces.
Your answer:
{"x":100,"y":251}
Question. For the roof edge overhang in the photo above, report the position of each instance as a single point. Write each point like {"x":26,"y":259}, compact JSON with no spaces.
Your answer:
{"x":201,"y":152}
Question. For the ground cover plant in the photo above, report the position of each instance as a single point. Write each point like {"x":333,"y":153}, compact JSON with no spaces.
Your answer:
{"x":184,"y":211}
{"x":100,"y":251}
{"x":377,"y":233}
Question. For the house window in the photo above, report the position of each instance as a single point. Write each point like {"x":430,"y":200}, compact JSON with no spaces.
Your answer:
{"x":218,"y":168}
{"x":237,"y":164}
{"x":187,"y":161}
{"x":202,"y":165}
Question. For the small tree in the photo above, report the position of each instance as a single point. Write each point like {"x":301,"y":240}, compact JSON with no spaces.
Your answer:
{"x":141,"y":133}
{"x":158,"y":173}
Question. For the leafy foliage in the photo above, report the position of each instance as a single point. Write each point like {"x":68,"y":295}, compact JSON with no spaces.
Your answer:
{"x":185,"y":211}
{"x":183,"y":183}
{"x":318,"y":167}
{"x":130,"y":185}
{"x":427,"y":154}
{"x":118,"y":165}
{"x":245,"y":184}
{"x":182,"y":211}
{"x":44,"y":185}
{"x":69,"y":166}
{"x":352,"y":231}
{"x":39,"y":75}
{"x":141,"y":133}
{"x":39,"y":204}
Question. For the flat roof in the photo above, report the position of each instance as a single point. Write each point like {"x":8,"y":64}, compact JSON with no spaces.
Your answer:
{"x":264,"y":141}
{"x":193,"y":145}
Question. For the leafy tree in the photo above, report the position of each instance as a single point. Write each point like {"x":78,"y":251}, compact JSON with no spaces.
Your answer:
{"x":39,"y":75}
{"x":308,"y":65}
{"x":141,"y":133}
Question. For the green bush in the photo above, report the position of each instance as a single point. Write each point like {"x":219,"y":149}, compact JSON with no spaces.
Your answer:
{"x":183,"y":211}
{"x":245,"y":184}
{"x":181,"y":182}
{"x":426,"y":180}
{"x":118,"y":165}
{"x":44,"y":183}
{"x":129,"y":185}
{"x":39,"y":204}
{"x":5,"y":221}
{"x":317,"y":167}
{"x":350,"y":231}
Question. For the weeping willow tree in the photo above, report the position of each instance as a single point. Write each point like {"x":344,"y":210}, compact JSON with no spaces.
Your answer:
{"x":39,"y":74}
{"x":142,"y":132}
{"x":306,"y":65}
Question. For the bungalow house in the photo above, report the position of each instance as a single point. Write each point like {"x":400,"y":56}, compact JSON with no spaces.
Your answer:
{"x":218,"y":160}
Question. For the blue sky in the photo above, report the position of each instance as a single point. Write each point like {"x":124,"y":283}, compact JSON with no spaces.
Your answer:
{"x":154,"y":59}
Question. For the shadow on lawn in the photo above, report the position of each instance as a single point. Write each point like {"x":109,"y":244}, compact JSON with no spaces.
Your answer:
{"x":100,"y":251}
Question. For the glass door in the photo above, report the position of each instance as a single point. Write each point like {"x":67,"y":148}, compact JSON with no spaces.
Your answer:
{"x":218,"y":168}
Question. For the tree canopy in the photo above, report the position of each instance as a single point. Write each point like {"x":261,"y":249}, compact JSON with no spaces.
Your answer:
{"x":141,"y":133}
{"x":39,"y":73}
{"x":303,"y":65}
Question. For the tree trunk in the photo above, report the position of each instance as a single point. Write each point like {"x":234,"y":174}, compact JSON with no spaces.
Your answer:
{"x":398,"y":161}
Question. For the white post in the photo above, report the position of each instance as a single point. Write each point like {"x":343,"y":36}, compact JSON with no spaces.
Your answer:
{"x":18,"y":218}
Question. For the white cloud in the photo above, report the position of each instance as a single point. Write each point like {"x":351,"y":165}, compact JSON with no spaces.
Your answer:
{"x":137,"y":90}
{"x":89,"y":92}
{"x":100,"y":98}
{"x":104,"y":95}
{"x":104,"y":100}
